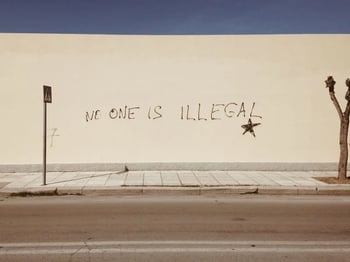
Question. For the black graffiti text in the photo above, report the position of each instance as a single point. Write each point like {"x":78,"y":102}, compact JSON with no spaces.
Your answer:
{"x":216,"y":111}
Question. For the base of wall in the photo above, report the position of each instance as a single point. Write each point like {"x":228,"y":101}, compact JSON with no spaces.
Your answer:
{"x":171,"y":166}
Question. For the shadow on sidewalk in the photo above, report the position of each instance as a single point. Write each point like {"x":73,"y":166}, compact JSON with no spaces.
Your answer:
{"x":88,"y":177}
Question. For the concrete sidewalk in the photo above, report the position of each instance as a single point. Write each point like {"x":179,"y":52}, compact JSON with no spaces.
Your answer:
{"x":171,"y":182}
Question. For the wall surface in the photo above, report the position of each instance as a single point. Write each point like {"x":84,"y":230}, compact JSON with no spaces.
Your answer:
{"x":151,"y":99}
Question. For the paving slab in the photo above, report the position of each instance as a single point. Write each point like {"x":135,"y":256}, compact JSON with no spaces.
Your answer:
{"x":23,"y":181}
{"x":224,"y":178}
{"x":134,"y":178}
{"x":298,"y":173}
{"x":206,"y":179}
{"x":306,"y":181}
{"x":281,"y":180}
{"x":98,"y":180}
{"x":261,"y":179}
{"x":60,"y":179}
{"x":188,"y":179}
{"x":76,"y":180}
{"x":242,"y":178}
{"x":324,"y":174}
{"x":116,"y":179}
{"x":38,"y":181}
{"x":3,"y":184}
{"x":170,"y":178}
{"x":152,"y":178}
{"x":50,"y":176}
{"x":9,"y":177}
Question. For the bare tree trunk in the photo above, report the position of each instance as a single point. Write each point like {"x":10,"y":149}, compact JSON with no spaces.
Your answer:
{"x":343,"y":142}
{"x":343,"y":138}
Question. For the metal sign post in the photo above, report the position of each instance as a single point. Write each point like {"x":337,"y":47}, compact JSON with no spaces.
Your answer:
{"x":47,"y":99}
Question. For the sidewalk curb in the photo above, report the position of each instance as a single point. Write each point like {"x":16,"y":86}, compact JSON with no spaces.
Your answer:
{"x":220,"y":190}
{"x":230,"y":190}
{"x":339,"y":190}
{"x":280,"y":190}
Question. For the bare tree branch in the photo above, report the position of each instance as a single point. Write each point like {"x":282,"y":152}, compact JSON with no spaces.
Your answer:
{"x":347,"y":97}
{"x":347,"y":110}
{"x":337,"y":106}
{"x":330,"y":83}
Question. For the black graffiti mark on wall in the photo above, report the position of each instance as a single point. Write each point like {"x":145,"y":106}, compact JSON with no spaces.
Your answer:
{"x":123,"y":113}
{"x":250,"y":127}
{"x":93,"y":115}
{"x":191,"y":112}
{"x":154,"y":112}
{"x":215,"y":111}
{"x":53,"y":133}
{"x":251,"y":112}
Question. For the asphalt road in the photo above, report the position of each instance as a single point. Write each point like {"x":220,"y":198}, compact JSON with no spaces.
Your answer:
{"x":159,"y":228}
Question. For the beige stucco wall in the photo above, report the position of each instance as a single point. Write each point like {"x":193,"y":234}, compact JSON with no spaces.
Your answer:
{"x":282,"y":74}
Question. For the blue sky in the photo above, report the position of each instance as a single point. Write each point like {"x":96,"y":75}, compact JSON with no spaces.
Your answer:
{"x":175,"y":16}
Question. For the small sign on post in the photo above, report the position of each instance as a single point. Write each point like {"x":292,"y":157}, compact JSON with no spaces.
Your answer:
{"x":47,"y":99}
{"x":47,"y":94}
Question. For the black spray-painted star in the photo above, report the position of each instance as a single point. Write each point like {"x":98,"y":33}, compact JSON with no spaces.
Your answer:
{"x":249,"y":127}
